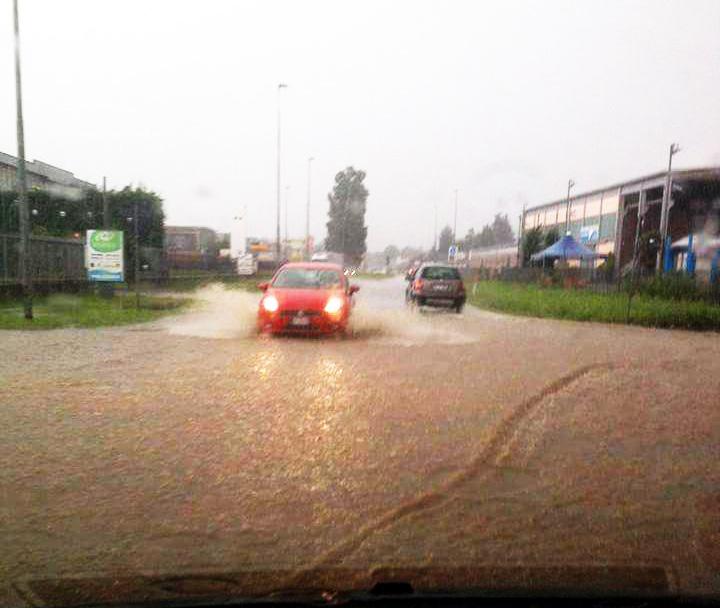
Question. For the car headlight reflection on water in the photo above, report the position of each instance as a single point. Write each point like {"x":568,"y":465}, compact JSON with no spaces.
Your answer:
{"x":270,"y":303}
{"x":334,"y":305}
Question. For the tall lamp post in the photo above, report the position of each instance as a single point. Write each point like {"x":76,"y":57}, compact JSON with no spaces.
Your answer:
{"x":571,"y":183}
{"x":286,"y":242}
{"x":664,"y":260}
{"x":307,"y":209}
{"x":455,"y":221}
{"x":280,"y":87}
{"x":24,"y":217}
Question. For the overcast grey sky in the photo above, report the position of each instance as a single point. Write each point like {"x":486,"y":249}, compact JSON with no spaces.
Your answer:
{"x":502,"y":100}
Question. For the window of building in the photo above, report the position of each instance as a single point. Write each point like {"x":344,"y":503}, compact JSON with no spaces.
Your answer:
{"x":607,"y":226}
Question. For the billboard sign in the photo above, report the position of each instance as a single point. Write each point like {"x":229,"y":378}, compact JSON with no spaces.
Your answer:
{"x":590,"y":234}
{"x":104,"y":255}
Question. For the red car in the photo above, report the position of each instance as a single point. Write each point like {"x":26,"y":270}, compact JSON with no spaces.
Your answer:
{"x":307,"y":298}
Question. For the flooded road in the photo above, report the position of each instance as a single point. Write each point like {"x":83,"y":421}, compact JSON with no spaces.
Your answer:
{"x":428,"y":439}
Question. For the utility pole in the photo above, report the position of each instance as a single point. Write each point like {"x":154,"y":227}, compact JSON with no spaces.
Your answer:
{"x":521,"y":224}
{"x":107,"y":290}
{"x":280,"y":87}
{"x":136,"y":222}
{"x":664,"y":250}
{"x":435,"y":234}
{"x":106,"y":207}
{"x":571,"y":183}
{"x":24,"y":265}
{"x":455,"y":222}
{"x":287,"y":196}
{"x":307,"y":210}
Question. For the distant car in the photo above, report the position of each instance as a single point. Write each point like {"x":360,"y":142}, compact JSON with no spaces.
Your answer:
{"x":436,"y":285}
{"x":307,"y":298}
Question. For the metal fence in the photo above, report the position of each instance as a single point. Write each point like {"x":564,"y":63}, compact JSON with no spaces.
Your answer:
{"x":56,"y":260}
{"x":51,"y":259}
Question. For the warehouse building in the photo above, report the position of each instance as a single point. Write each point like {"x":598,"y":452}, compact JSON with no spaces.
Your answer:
{"x":41,"y":176}
{"x":606,"y":219}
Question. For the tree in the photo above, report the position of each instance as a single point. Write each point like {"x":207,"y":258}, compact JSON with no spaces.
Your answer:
{"x":486,"y":237}
{"x":470,"y":239}
{"x":532,"y":242}
{"x":346,"y":230}
{"x":391,"y":252}
{"x":64,"y":216}
{"x":444,"y":241}
{"x":551,"y":237}
{"x":502,"y":230}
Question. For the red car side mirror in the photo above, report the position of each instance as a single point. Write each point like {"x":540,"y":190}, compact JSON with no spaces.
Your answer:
{"x":353,"y":289}
{"x":263,"y":286}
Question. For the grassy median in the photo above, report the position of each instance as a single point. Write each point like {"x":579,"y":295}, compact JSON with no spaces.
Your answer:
{"x":583,"y":305}
{"x":63,"y":310}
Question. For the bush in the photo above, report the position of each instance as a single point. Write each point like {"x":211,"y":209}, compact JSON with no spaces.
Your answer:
{"x":672,"y":286}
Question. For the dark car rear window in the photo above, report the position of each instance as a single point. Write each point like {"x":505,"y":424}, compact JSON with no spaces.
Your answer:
{"x":440,"y":273}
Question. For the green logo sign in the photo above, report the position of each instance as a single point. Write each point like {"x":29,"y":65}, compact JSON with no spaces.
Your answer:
{"x":106,"y":240}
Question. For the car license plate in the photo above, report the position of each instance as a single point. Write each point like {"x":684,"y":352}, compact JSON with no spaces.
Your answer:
{"x":300,"y":321}
{"x":442,"y":287}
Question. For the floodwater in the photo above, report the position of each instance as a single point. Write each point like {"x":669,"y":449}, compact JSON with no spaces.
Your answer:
{"x":191,"y":445}
{"x":379,"y":315}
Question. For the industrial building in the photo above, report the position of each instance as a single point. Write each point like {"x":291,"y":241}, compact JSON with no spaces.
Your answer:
{"x":606,"y":219}
{"x":41,"y":176}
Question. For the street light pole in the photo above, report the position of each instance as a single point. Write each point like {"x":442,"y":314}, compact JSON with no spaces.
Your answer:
{"x":287,"y":196}
{"x":455,"y":222}
{"x":307,"y":210}
{"x":136,"y":228}
{"x":105,"y":206}
{"x":571,"y":183}
{"x":665,"y":212}
{"x":280,"y":87}
{"x":24,"y":265}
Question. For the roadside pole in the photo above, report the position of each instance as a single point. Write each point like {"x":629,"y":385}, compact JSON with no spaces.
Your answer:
{"x":521,"y":222}
{"x":308,"y":253}
{"x":107,"y":290}
{"x":24,"y":262}
{"x":455,"y":221}
{"x":571,"y":183}
{"x":280,"y":87}
{"x":664,"y":251}
{"x":136,"y":227}
{"x":636,"y":251}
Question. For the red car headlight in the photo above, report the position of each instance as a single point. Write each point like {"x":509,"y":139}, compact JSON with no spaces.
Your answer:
{"x":334,"y":305}
{"x":270,"y":303}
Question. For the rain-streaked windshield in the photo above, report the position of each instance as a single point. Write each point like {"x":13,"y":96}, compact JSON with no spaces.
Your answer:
{"x":302,"y":297}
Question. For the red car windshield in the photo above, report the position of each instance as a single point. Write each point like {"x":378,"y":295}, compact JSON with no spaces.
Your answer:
{"x":308,"y":278}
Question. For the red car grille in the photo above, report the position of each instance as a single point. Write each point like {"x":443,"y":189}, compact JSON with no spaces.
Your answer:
{"x":294,"y":313}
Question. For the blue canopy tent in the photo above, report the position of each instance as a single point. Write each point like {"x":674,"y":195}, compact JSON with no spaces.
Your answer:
{"x":567,"y":248}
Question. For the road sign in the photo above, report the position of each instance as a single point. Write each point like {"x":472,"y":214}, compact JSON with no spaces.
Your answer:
{"x":104,"y":255}
{"x":452,"y":251}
